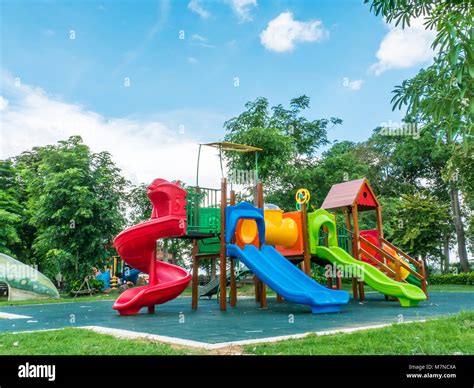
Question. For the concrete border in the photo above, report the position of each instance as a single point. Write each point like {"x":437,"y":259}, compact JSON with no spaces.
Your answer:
{"x":128,"y":334}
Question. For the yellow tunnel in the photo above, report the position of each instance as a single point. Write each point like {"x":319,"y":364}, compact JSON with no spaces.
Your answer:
{"x":278,"y":230}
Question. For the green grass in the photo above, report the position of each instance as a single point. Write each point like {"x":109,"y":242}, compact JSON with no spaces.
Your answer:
{"x":447,"y":336}
{"x":443,"y":336}
{"x":64,"y":298}
{"x":80,"y":342}
{"x":450,"y":288}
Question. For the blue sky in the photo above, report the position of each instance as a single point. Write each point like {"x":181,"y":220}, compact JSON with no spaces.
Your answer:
{"x":182,"y":90}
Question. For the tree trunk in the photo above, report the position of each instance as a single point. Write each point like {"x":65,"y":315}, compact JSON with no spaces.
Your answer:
{"x":445,"y":263}
{"x":459,"y":227}
{"x":213,"y":269}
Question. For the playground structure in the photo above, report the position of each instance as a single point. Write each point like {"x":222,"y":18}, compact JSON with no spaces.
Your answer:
{"x":268,"y":241}
{"x":19,"y":281}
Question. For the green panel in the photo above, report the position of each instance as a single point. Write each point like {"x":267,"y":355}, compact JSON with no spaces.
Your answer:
{"x":209,"y":220}
{"x":209,"y":245}
{"x":202,"y":210}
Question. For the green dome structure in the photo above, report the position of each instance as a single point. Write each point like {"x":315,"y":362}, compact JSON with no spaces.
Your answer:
{"x":24,"y":282}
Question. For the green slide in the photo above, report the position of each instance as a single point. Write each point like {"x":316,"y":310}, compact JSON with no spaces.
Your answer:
{"x":407,"y":294}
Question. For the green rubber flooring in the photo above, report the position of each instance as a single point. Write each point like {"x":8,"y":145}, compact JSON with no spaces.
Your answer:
{"x":246,"y":321}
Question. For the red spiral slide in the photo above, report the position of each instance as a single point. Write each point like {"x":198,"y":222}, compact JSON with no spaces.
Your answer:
{"x":137,"y":246}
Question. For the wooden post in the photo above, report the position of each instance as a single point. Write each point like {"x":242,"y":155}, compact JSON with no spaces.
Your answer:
{"x":233,"y":282}
{"x":339,"y":280}
{"x":361,"y":291}
{"x":355,"y":218}
{"x":256,"y":282}
{"x":329,"y":281}
{"x":423,"y":281}
{"x":378,"y":216}
{"x":263,"y":286}
{"x":279,"y":298}
{"x":152,"y":276}
{"x":223,"y":253}
{"x":398,"y":275}
{"x":356,"y":254}
{"x":195,"y":281}
{"x":355,"y":292}
{"x":304,"y":229}
{"x":349,"y":229}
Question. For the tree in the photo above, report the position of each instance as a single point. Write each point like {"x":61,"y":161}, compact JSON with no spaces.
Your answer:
{"x":445,"y":90}
{"x":422,"y":222}
{"x":289,"y":141}
{"x":440,"y":98}
{"x":75,"y":200}
{"x":10,"y":209}
{"x":139,"y":204}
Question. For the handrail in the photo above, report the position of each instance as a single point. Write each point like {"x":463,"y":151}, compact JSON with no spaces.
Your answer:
{"x":399,"y":251}
{"x":378,"y":262}
{"x":390,"y":257}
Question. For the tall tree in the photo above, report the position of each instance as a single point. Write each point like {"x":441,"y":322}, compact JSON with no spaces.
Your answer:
{"x":289,"y":141}
{"x":445,"y":90}
{"x":441,"y":96}
{"x":75,"y":200}
{"x":10,"y":209}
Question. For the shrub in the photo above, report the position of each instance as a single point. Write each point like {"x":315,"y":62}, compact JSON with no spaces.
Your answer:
{"x":464,"y":278}
{"x":93,"y":283}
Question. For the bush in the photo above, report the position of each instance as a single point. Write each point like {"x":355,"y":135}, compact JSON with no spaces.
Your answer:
{"x":461,"y":278}
{"x":93,"y":283}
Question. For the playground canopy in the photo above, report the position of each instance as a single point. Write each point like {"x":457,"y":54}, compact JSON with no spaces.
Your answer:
{"x":345,"y":195}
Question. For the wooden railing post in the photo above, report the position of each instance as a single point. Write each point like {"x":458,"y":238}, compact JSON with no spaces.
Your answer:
{"x":423,"y":280}
{"x":223,"y":253}
{"x":233,"y":283}
{"x":262,"y":285}
{"x":304,"y":229}
{"x":195,"y":281}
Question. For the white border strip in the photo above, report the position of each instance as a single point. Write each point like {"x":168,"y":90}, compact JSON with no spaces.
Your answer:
{"x":13,"y":316}
{"x":133,"y":335}
{"x":127,"y":334}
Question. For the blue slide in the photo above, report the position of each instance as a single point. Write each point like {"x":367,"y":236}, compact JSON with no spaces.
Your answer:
{"x":287,"y":280}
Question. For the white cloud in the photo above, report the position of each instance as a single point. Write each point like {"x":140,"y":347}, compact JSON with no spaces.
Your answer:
{"x":404,"y":48}
{"x":242,"y":9}
{"x":353,"y":85}
{"x":143,"y":148}
{"x":199,"y":38}
{"x":192,"y":60}
{"x":196,"y":6}
{"x":283,"y":32}
{"x":3,"y":103}
{"x":201,"y":41}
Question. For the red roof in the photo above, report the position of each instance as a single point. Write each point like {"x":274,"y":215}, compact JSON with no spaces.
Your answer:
{"x":346,"y":194}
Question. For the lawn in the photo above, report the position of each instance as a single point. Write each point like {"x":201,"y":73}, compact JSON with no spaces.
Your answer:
{"x":442,"y":336}
{"x":80,"y":342}
{"x":63,"y":299}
